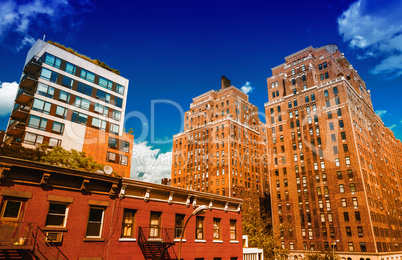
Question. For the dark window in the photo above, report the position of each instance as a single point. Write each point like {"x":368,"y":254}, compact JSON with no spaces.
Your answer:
{"x":345,"y":148}
{"x":56,"y":215}
{"x":306,"y":99}
{"x":324,"y":65}
{"x":95,"y":222}
{"x":67,"y":82}
{"x":343,"y":135}
{"x":179,"y":223}
{"x":341,"y":124}
{"x":335,"y":90}
{"x":339,"y":112}
{"x":84,"y":89}
{"x":118,"y":102}
{"x":304,"y":78}
{"x":79,"y":118}
{"x":326,"y":75}
{"x":293,"y":81}
{"x":346,"y":217}
{"x":357,"y":216}
{"x":329,"y":113}
{"x":312,"y":97}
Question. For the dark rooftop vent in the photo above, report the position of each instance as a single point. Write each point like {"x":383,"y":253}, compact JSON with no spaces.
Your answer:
{"x":225,"y":83}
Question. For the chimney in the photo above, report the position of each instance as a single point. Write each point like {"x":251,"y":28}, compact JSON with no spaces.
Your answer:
{"x":225,"y":83}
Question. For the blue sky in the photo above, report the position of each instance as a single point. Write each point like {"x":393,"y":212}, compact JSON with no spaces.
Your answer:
{"x":172,"y":51}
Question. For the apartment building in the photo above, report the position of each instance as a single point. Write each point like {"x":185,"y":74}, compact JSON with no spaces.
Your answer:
{"x":334,"y":168}
{"x":66,"y":99}
{"x":50,"y":212}
{"x":222,"y":149}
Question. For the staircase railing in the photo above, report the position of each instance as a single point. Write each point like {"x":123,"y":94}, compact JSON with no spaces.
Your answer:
{"x":44,"y":245}
{"x":156,"y":242}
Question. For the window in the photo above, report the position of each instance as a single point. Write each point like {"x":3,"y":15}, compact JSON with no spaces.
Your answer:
{"x":341,"y":188}
{"x":57,"y":128}
{"x":54,"y":142}
{"x":87,"y":75}
{"x":127,"y":230}
{"x":154,"y":225}
{"x":329,"y":114}
{"x":110,"y":157}
{"x":331,"y":126}
{"x":84,"y":89}
{"x":12,"y":209}
{"x":57,"y":215}
{"x":233,"y":233}
{"x":335,"y":89}
{"x":64,"y":96}
{"x":320,"y":66}
{"x":82,"y":103}
{"x":116,"y":115}
{"x":355,"y":203}
{"x":120,"y":89}
{"x":118,"y":102}
{"x":45,"y":90}
{"x":326,"y":75}
{"x":123,"y":160}
{"x":347,"y":160}
{"x":217,"y":228}
{"x":339,"y":175}
{"x":33,"y":139}
{"x":336,"y":159}
{"x":49,"y":75}
{"x":102,"y":95}
{"x":179,"y":224}
{"x":67,"y":82}
{"x":79,"y":118}
{"x":327,"y":103}
{"x":350,"y":245}
{"x":52,"y":60}
{"x":343,"y":202}
{"x":352,"y":187}
{"x":95,"y":221}
{"x":101,"y":124}
{"x":321,"y":76}
{"x":61,"y":111}
{"x":105,"y":83}
{"x":70,"y":68}
{"x":41,"y":106}
{"x":339,"y":112}
{"x":341,"y":124}
{"x":199,"y":233}
{"x":346,"y":217}
{"x":101,"y":109}
{"x":37,"y":122}
{"x":124,"y":146}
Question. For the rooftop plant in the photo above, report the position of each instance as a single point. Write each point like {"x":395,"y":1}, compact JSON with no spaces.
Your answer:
{"x":96,"y":62}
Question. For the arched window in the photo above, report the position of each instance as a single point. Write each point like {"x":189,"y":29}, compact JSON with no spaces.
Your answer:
{"x":307,"y":99}
{"x":304,"y":77}
{"x":312,"y":97}
{"x":293,"y":82}
{"x":326,"y":93}
{"x":272,"y":110}
{"x":279,"y":108}
{"x":335,"y":90}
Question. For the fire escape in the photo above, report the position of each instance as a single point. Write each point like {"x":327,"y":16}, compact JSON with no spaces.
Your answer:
{"x":27,"y":241}
{"x":156,"y":243}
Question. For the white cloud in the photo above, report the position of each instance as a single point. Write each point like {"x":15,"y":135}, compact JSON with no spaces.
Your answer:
{"x":247,"y":88}
{"x":149,"y":164}
{"x":19,"y":18}
{"x":7,"y":96}
{"x":380,"y":112}
{"x":375,"y":28}
{"x":392,"y":127}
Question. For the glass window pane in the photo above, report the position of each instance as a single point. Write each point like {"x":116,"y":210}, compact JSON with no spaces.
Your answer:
{"x":12,"y":209}
{"x":46,"y":74}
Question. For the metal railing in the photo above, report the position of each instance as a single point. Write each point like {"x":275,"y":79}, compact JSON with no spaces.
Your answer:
{"x":29,"y":236}
{"x":156,"y":242}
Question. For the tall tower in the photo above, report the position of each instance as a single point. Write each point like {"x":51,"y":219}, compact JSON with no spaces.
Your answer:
{"x":223,"y":147}
{"x":335,"y":169}
{"x":66,"y":99}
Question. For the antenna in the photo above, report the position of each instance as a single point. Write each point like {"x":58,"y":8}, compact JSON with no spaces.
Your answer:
{"x":108,"y":169}
{"x":44,"y":36}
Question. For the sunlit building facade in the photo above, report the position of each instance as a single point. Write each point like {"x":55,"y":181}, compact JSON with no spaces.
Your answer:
{"x":334,"y":168}
{"x":66,"y":99}
{"x":222,"y":149}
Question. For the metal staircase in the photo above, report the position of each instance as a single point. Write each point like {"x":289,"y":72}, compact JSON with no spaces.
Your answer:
{"x":156,"y":243}
{"x":26,"y":241}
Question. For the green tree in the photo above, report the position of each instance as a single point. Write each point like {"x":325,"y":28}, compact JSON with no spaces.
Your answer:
{"x":70,"y":159}
{"x":17,"y":151}
{"x":322,"y":255}
{"x":256,"y":224}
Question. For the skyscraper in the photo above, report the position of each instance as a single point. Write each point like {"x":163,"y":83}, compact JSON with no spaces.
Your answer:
{"x":335,"y":169}
{"x":69,"y":100}
{"x":223,"y":146}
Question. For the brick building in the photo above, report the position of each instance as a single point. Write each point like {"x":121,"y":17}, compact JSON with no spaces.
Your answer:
{"x":335,"y":169}
{"x":97,"y":216}
{"x":223,"y":147}
{"x":69,"y":100}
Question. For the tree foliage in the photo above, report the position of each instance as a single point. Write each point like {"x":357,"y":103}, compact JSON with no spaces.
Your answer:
{"x":323,"y":255}
{"x":56,"y":156}
{"x":70,"y":159}
{"x":256,"y":224}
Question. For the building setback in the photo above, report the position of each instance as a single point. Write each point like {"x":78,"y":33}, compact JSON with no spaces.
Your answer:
{"x":223,"y":147}
{"x":335,"y":169}
{"x":97,"y":216}
{"x":65,"y":99}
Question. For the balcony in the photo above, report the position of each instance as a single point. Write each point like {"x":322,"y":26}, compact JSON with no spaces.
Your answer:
{"x":156,"y":243}
{"x":24,"y":96}
{"x":33,"y":66}
{"x":20,"y":112}
{"x":29,"y":81}
{"x":16,"y":128}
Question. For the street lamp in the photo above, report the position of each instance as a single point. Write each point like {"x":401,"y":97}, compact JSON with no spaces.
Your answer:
{"x":333,"y":249}
{"x":198,"y":211}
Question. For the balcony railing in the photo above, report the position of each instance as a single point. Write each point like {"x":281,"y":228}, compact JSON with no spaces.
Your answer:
{"x":16,"y":233}
{"x":24,"y":96}
{"x":16,"y":128}
{"x":33,"y":66}
{"x":20,"y":112}
{"x":29,"y":81}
